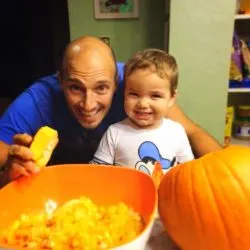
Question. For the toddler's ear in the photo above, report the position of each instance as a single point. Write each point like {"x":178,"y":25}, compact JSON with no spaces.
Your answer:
{"x":172,"y":99}
{"x":175,"y":93}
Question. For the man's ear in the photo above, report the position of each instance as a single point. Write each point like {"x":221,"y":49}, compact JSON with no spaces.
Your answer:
{"x":172,"y":99}
{"x":59,"y":76}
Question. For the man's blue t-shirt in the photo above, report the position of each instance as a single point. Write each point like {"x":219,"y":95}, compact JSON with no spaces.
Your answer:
{"x":43,"y":103}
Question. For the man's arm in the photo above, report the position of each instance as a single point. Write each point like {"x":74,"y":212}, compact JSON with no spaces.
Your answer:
{"x":201,"y":141}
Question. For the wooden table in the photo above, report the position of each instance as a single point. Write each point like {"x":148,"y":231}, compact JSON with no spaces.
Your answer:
{"x":159,"y":240}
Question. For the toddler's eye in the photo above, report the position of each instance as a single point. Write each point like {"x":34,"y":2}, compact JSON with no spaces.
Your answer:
{"x":156,"y":96}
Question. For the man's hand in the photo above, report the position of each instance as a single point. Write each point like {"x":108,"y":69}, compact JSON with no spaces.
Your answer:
{"x":20,"y":161}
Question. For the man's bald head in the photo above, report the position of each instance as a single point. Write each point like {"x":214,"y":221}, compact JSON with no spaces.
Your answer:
{"x":87,"y":48}
{"x":88,"y":80}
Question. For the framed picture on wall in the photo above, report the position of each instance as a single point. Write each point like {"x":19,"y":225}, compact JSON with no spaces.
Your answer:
{"x":116,"y":9}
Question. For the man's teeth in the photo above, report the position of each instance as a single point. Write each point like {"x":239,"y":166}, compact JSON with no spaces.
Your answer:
{"x":143,"y":113}
{"x":88,"y":114}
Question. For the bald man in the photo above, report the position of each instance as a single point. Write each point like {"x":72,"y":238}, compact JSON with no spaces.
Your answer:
{"x":80,"y":102}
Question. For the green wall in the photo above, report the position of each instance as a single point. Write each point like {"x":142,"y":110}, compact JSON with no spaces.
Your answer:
{"x":200,"y":38}
{"x":126,"y":36}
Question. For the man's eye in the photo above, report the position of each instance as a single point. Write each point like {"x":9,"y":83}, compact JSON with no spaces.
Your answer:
{"x":74,"y":88}
{"x":102,"y":89}
{"x":133,"y":94}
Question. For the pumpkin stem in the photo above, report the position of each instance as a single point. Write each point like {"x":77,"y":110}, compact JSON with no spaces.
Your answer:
{"x":157,"y":174}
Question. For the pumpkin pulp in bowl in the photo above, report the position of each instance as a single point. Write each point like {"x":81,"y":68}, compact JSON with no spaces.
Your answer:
{"x":99,"y":186}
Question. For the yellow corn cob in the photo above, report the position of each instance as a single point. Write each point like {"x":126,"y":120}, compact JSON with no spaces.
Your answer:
{"x":44,"y":142}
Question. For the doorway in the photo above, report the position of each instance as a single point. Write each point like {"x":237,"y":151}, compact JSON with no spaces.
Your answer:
{"x":34,"y":34}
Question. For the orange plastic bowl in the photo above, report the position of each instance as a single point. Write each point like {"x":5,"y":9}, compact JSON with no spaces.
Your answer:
{"x":103,"y":184}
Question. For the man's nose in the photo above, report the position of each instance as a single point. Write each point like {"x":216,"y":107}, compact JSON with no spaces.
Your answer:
{"x":89,"y":102}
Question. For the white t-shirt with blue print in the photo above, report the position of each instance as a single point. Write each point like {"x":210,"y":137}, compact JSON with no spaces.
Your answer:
{"x":124,"y":145}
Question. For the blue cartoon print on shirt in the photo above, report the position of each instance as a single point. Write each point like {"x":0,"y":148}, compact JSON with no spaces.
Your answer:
{"x":149,"y":154}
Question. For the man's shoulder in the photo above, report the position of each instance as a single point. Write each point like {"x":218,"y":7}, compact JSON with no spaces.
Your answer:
{"x":120,"y":65}
{"x":42,"y":97}
{"x":120,"y":72}
{"x":42,"y":91}
{"x":45,"y":90}
{"x":31,"y":109}
{"x":48,"y":84}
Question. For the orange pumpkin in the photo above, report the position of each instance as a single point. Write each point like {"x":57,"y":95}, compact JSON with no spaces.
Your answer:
{"x":205,"y":203}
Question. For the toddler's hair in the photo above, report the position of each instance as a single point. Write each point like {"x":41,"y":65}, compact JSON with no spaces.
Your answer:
{"x":159,"y":61}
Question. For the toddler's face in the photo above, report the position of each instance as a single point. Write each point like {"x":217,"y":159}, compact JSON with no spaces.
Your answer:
{"x":147,"y":98}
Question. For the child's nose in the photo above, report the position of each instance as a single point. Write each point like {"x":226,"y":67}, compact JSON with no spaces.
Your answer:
{"x":143,"y":103}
